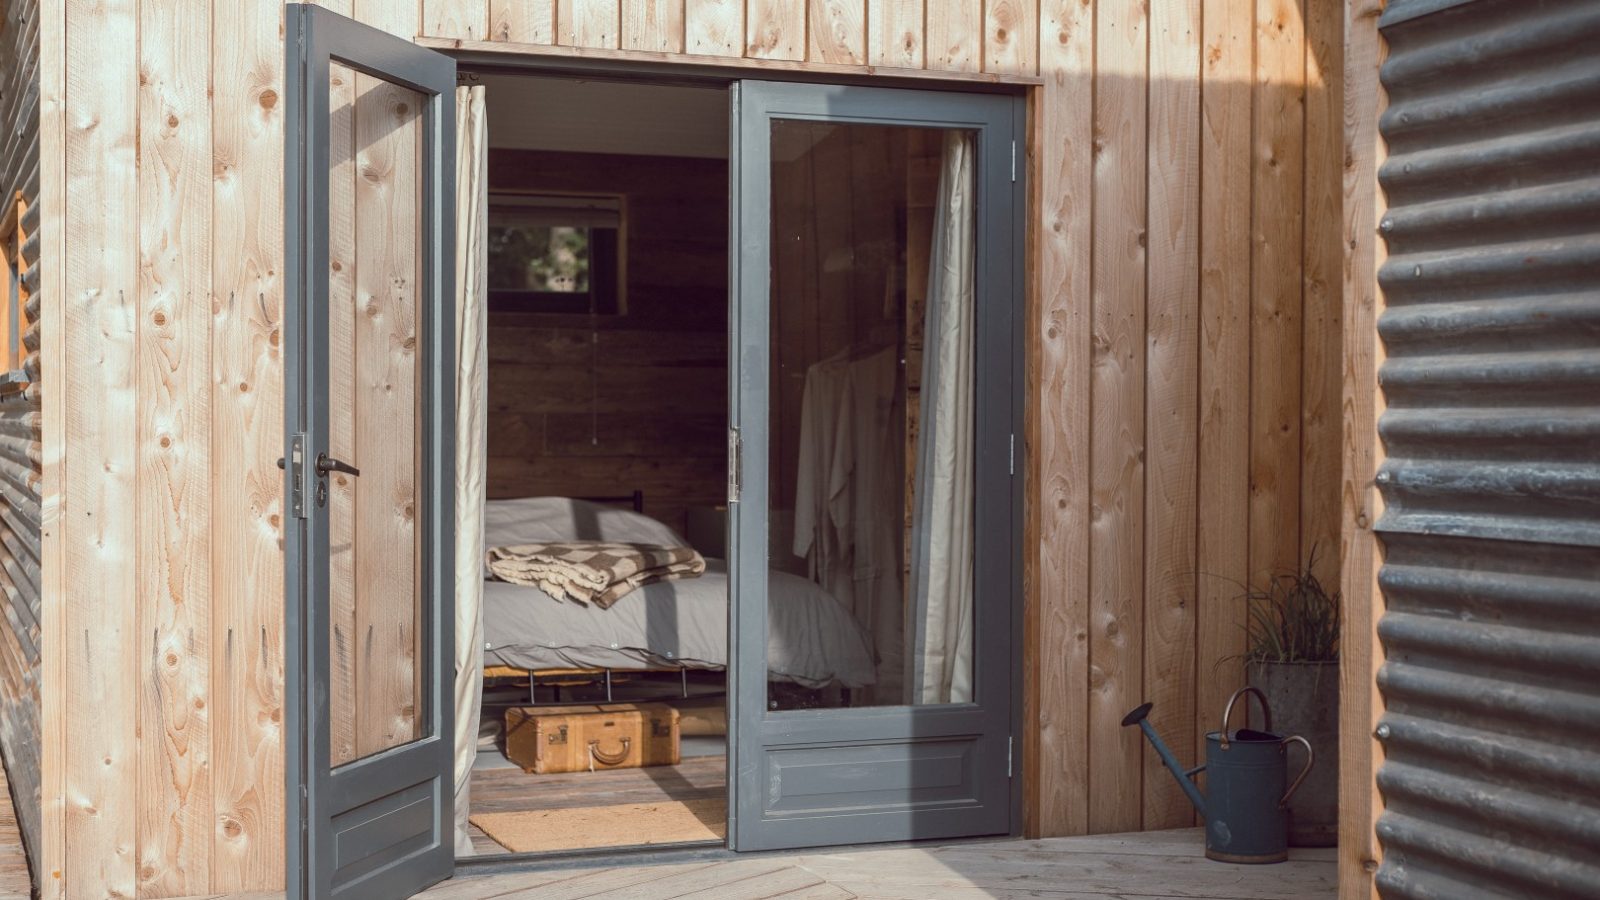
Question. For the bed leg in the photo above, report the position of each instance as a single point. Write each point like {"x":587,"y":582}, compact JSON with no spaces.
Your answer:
{"x":608,"y":685}
{"x":683,"y":675}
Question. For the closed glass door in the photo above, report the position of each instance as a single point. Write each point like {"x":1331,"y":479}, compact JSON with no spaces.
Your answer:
{"x":874,"y":398}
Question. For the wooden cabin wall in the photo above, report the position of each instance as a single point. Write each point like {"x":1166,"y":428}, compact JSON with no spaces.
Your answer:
{"x":20,"y":418}
{"x":604,"y":406}
{"x":1183,"y":391}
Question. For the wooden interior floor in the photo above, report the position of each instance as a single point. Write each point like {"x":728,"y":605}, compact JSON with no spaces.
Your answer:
{"x":15,"y":882}
{"x":512,"y":790}
{"x":1162,"y":865}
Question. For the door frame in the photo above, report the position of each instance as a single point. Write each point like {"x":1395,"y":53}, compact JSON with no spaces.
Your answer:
{"x":316,"y":791}
{"x":552,"y":62}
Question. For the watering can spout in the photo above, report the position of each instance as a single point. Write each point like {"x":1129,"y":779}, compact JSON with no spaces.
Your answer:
{"x":1185,"y":778}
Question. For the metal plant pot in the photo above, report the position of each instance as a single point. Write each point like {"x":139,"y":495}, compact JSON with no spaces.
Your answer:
{"x":1305,"y":701}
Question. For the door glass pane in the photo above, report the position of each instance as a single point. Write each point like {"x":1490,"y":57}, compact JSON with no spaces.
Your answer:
{"x":374,"y":271}
{"x":871,"y":418}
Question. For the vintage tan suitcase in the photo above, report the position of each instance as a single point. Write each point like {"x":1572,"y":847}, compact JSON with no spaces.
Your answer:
{"x":548,"y":739}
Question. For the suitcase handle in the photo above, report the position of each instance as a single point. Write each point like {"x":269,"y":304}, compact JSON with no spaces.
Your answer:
{"x":596,"y":755}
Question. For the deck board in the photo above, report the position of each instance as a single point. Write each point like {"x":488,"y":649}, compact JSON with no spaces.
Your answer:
{"x":1150,"y":866}
{"x":15,"y":881}
{"x":1160,"y":865}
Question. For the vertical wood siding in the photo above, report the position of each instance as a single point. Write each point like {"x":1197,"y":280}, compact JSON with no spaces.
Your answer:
{"x":1183,"y":335}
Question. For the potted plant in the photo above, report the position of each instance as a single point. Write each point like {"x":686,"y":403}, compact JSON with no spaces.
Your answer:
{"x":1292,"y":656}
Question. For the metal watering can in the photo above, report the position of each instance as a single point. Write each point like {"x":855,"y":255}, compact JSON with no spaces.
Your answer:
{"x":1247,"y":818}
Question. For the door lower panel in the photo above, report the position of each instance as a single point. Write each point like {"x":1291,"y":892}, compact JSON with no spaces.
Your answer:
{"x":389,"y":829}
{"x":880,"y":777}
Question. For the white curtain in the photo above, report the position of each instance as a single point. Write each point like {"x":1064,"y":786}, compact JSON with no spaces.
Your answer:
{"x":472,"y":196}
{"x":940,"y":668}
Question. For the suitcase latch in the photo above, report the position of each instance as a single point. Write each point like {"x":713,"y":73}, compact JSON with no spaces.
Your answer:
{"x":559,"y":736}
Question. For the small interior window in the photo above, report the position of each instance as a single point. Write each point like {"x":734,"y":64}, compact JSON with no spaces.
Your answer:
{"x":552,"y":253}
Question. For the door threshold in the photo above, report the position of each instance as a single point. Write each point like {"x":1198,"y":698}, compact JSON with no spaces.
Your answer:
{"x":667,"y":854}
{"x":623,"y":855}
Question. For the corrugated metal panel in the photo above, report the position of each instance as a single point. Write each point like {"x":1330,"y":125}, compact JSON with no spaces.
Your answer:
{"x":1491,"y":579}
{"x":19,"y":425}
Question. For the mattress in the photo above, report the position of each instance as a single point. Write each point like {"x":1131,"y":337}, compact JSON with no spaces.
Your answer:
{"x":812,"y":639}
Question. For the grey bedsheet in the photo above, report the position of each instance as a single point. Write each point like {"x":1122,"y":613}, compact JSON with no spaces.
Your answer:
{"x":811,"y":640}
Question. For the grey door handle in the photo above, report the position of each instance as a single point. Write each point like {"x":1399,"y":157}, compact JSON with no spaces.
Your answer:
{"x":326,"y":464}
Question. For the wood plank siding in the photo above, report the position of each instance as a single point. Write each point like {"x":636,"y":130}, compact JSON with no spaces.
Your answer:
{"x":21,"y":575}
{"x":1184,"y":338}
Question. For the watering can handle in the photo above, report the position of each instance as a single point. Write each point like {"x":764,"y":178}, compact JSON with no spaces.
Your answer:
{"x":1227,"y":711}
{"x":1310,"y":758}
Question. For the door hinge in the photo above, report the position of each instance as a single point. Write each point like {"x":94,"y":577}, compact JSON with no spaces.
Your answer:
{"x":1013,"y":160}
{"x":1011,"y":455}
{"x":735,"y":448}
{"x":1011,"y":749}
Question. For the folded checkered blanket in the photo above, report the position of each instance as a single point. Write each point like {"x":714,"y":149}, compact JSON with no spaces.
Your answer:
{"x":598,"y":572}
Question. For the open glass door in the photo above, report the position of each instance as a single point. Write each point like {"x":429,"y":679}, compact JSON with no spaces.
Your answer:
{"x":876,"y":275}
{"x":369,"y":459}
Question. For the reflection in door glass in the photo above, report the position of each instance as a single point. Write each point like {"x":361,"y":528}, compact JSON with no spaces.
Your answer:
{"x":374,"y":247}
{"x":871,"y":422}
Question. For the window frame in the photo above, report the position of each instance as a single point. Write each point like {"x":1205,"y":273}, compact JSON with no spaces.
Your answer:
{"x":607,"y":296}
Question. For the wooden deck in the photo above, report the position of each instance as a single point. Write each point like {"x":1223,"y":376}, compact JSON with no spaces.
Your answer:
{"x":1159,"y":865}
{"x":15,"y":882}
{"x":1149,"y":866}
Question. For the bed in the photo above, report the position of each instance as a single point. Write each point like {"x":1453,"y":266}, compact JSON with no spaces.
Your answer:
{"x":812,"y":640}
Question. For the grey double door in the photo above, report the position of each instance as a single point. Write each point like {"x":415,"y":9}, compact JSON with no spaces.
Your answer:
{"x":875,"y":264}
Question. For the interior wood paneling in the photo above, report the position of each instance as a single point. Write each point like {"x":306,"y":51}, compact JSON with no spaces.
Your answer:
{"x":1173,"y":305}
{"x":605,"y":406}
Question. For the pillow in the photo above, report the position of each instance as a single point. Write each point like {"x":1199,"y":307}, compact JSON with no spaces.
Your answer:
{"x":533,"y":520}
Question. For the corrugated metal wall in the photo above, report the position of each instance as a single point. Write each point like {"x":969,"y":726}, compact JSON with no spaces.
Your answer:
{"x":19,"y":417}
{"x":1491,"y":782}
